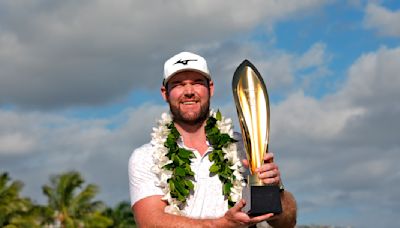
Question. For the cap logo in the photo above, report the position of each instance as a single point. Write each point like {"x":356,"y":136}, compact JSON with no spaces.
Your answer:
{"x":184,"y":62}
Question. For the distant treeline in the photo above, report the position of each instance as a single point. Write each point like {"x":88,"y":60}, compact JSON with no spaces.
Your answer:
{"x":70,"y":203}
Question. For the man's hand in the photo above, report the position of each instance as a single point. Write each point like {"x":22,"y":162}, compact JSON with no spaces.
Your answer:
{"x":269,"y":172}
{"x":234,"y":217}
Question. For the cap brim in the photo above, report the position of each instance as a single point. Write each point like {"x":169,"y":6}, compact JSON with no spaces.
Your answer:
{"x":165,"y":81}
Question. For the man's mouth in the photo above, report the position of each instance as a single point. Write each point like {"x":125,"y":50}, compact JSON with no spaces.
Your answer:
{"x":189,"y":102}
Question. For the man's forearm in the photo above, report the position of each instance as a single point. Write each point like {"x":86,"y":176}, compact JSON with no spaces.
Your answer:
{"x":167,"y":220}
{"x":175,"y":221}
{"x":150,"y":213}
{"x":289,"y":212}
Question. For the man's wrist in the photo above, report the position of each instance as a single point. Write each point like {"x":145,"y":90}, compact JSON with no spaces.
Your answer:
{"x":219,"y":222}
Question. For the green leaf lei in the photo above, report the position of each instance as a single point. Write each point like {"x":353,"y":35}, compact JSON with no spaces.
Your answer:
{"x":180,"y":182}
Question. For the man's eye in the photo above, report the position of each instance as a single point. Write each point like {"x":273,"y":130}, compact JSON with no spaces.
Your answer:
{"x":199,"y":83}
{"x":175,"y":85}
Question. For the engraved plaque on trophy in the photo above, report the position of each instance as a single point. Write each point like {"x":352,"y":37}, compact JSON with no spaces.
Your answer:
{"x":252,"y":105}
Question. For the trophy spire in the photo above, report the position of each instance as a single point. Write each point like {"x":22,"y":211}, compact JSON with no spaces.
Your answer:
{"x":252,"y":105}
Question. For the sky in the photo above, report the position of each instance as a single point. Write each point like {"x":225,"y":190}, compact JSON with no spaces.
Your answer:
{"x":80,"y":90}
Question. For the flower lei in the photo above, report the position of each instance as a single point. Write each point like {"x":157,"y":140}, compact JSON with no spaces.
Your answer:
{"x":172,"y":164}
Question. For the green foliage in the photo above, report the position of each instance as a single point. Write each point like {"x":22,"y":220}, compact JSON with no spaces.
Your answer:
{"x":179,"y":183}
{"x":70,"y":204}
{"x":121,"y":215}
{"x":73,"y":208}
{"x":14,"y":210}
{"x":221,"y":165}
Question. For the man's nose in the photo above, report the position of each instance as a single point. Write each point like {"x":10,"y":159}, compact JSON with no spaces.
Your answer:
{"x":188,"y":89}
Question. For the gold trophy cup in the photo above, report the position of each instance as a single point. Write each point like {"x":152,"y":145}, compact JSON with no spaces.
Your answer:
{"x":252,"y":105}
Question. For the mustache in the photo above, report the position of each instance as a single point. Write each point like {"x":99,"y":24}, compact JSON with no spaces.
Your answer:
{"x":189,"y":97}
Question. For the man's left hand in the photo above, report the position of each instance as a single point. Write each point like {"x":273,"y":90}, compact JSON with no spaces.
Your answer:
{"x":269,"y":174}
{"x":269,"y":171}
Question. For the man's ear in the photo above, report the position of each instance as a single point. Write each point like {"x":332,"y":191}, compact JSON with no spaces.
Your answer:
{"x":164,"y":93}
{"x":211,"y":87}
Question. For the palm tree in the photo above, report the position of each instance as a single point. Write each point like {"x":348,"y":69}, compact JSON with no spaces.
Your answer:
{"x":121,"y":215}
{"x":71,"y":208}
{"x":14,"y":210}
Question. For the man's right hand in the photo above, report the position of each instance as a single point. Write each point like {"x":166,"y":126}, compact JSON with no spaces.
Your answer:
{"x":235,"y":217}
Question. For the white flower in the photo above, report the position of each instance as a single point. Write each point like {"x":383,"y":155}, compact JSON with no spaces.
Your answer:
{"x":167,"y":196}
{"x":172,"y":209}
{"x":225,"y":126}
{"x":230,"y":153}
{"x":236,"y":191}
{"x":165,"y":175}
{"x":166,"y":118}
{"x":238,"y":175}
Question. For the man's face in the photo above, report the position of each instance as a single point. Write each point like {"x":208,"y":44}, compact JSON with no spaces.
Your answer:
{"x":188,"y":94}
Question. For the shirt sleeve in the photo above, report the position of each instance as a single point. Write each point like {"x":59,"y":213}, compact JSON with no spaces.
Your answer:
{"x":239,"y":145}
{"x":241,"y":152}
{"x":141,"y":178}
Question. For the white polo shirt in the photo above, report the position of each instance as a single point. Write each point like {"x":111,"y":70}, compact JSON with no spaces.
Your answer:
{"x":207,"y":201}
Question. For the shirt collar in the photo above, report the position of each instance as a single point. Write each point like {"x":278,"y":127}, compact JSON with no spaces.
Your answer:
{"x":182,"y":145}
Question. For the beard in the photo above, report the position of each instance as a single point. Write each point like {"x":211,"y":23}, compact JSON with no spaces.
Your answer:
{"x":192,"y":118}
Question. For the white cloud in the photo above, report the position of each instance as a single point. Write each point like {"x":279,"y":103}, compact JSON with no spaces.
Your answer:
{"x":385,"y":21}
{"x":337,"y":151}
{"x":15,"y":143}
{"x":47,"y":144}
{"x":374,"y":79}
{"x":311,"y":118}
{"x":282,"y":71}
{"x":315,"y":56}
{"x":99,"y":49}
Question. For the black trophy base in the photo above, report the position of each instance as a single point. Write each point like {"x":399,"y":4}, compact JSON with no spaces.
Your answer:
{"x":262,"y":200}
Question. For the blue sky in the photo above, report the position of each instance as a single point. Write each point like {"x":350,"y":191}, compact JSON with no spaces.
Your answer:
{"x":79,"y":90}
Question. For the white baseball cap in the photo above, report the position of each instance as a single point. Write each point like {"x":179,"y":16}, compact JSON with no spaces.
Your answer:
{"x":185,"y":61}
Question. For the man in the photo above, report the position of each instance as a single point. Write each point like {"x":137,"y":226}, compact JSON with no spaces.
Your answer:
{"x":197,"y":198}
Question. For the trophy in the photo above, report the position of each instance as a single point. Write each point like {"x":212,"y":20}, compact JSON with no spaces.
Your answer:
{"x":252,"y":105}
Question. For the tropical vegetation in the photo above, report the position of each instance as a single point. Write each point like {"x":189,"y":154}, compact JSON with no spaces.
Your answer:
{"x":70,"y":203}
